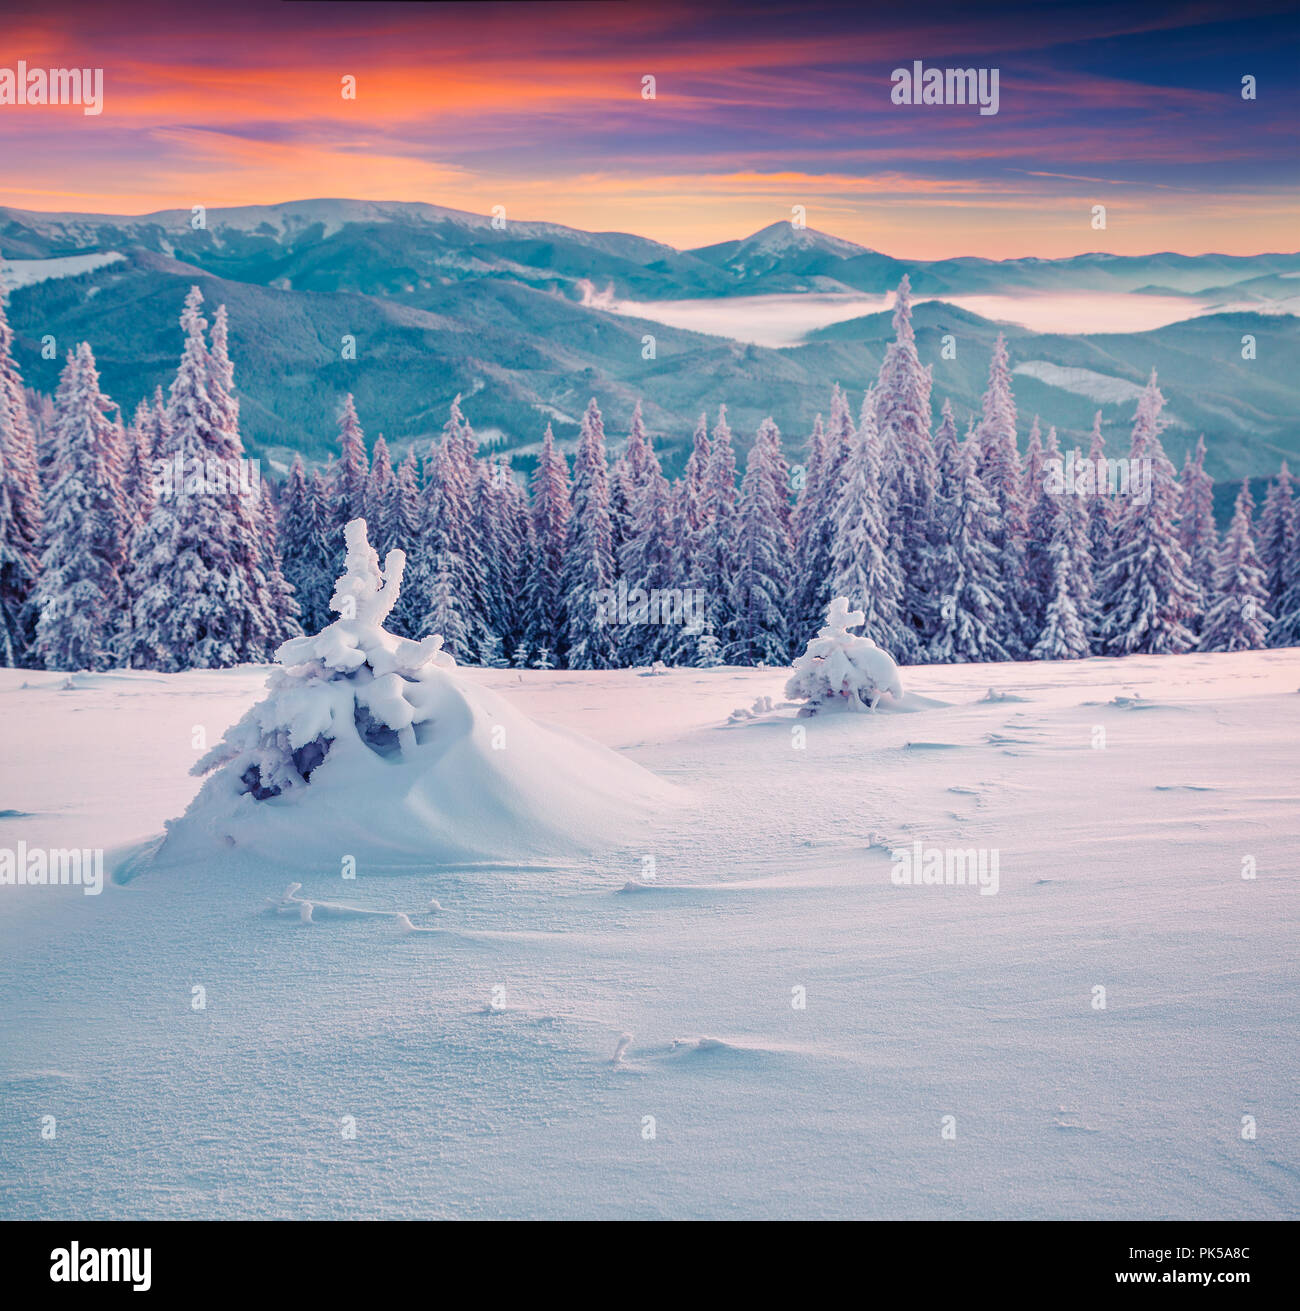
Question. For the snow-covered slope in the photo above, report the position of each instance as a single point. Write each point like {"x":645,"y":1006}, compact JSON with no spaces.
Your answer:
{"x":792,"y":1027}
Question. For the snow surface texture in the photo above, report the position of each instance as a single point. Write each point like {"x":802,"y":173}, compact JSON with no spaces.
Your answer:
{"x":510,"y":1054}
{"x":367,"y":742}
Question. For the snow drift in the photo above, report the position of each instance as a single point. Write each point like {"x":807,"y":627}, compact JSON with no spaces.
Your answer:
{"x":370,"y":746}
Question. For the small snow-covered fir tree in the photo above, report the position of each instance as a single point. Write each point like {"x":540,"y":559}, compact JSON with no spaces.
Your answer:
{"x":589,"y":569}
{"x":862,"y":569}
{"x":762,"y":554}
{"x":689,"y":507}
{"x":972,"y":593}
{"x":1238,"y":617}
{"x":1040,"y":524}
{"x":18,"y":561}
{"x":199,"y":598}
{"x":1145,"y":593}
{"x":350,"y":476}
{"x":715,"y":561}
{"x":1196,"y":531}
{"x":544,"y":599}
{"x":840,"y":670}
{"x":1279,"y":525}
{"x":79,"y":595}
{"x":454,"y":588}
{"x":1000,"y":475}
{"x":908,"y":476}
{"x":283,"y":605}
{"x":21,"y":512}
{"x":1067,"y":614}
{"x":304,"y":552}
{"x":350,"y":688}
{"x":1102,"y":511}
{"x":379,"y":490}
{"x":647,"y":559}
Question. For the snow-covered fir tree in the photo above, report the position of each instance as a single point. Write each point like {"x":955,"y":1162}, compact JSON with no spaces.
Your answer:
{"x":199,"y":598}
{"x":1285,"y":630}
{"x":715,"y":564}
{"x":1279,"y":524}
{"x":762,"y":573}
{"x":1041,"y":527}
{"x":137,"y":463}
{"x":972,"y":601}
{"x":589,"y":569}
{"x":689,"y":503}
{"x":861,"y":567}
{"x":999,"y":472}
{"x":1196,"y":531}
{"x":544,"y":598}
{"x":403,"y":527}
{"x":349,"y":480}
{"x":1102,"y":506}
{"x":79,"y":595}
{"x":1238,"y":617}
{"x":306,"y":555}
{"x":379,"y":490}
{"x":454,"y":586}
{"x":21,"y":511}
{"x":1145,"y":593}
{"x":647,"y":559}
{"x":842,"y":671}
{"x":280,"y":599}
{"x":1067,"y":615}
{"x":908,"y":478}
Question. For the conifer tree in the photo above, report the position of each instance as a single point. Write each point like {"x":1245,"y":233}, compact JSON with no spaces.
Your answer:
{"x":1145,"y":593}
{"x":544,"y":599}
{"x":1238,"y":617}
{"x":763,"y":554}
{"x":589,"y":570}
{"x":79,"y":595}
{"x":1196,"y":531}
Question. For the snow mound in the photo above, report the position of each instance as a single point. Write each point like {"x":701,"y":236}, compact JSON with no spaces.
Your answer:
{"x":840,"y":670}
{"x":370,"y":748}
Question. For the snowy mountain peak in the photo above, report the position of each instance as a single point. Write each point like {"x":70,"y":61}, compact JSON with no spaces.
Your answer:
{"x":784,"y":236}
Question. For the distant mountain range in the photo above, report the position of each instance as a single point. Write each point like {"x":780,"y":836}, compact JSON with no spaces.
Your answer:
{"x":439,"y":302}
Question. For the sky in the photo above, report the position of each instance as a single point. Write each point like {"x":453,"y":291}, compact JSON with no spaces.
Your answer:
{"x":540,"y":107}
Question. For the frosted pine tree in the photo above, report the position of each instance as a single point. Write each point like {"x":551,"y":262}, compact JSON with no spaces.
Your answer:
{"x":21,"y":515}
{"x":379,"y":490}
{"x":306,"y":557}
{"x":199,"y":598}
{"x":137,"y":463}
{"x":281,"y":601}
{"x":971,"y":592}
{"x":79,"y":596}
{"x":1285,"y":630}
{"x":1278,"y":528}
{"x":589,"y":570}
{"x":544,"y":598}
{"x":1145,"y":594}
{"x":715,"y":568}
{"x":647,"y":559}
{"x":902,"y":412}
{"x":1040,"y":564}
{"x":350,"y":478}
{"x":18,"y":562}
{"x":1196,"y":530}
{"x":689,"y":508}
{"x":999,"y":472}
{"x":861,"y":568}
{"x":457,"y":587}
{"x":813,"y":524}
{"x":403,"y":527}
{"x":1238,"y":617}
{"x":947,"y":456}
{"x":763,"y":554}
{"x":1067,"y":615}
